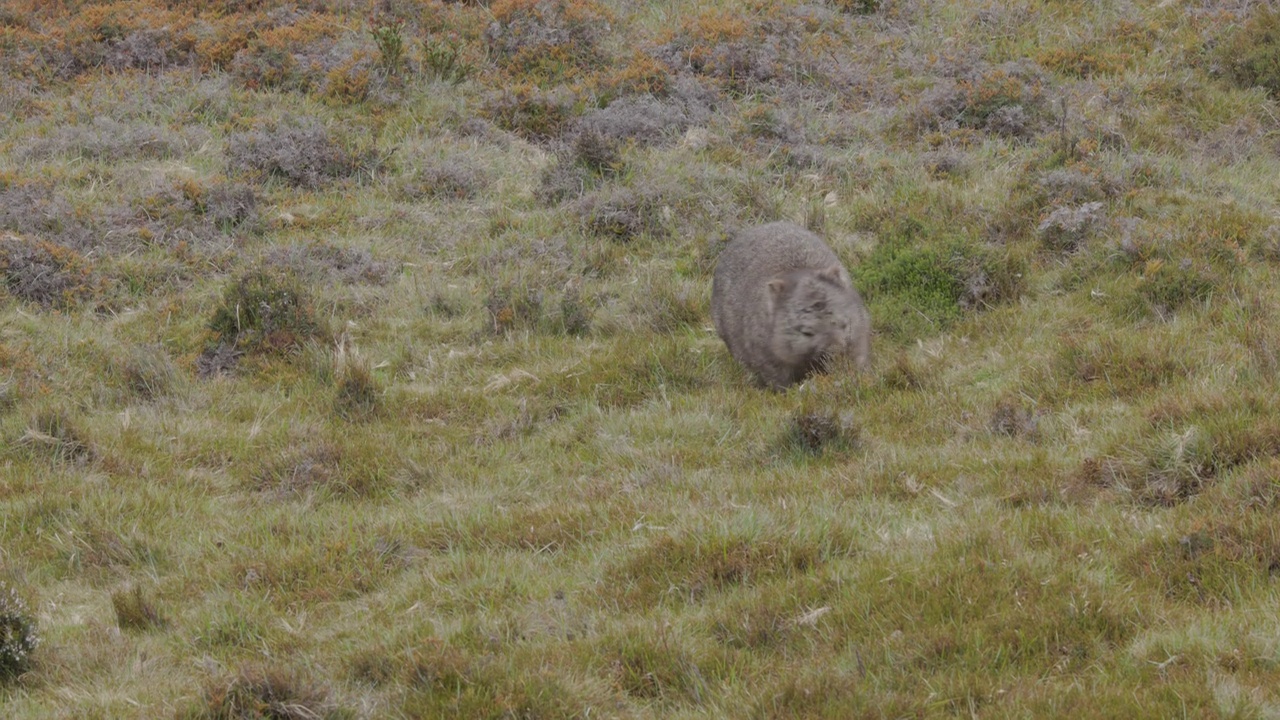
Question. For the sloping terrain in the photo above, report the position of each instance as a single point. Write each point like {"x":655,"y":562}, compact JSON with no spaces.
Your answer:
{"x":356,"y":361}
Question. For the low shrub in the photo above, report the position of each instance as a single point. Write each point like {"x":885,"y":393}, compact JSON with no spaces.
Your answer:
{"x":35,"y":210}
{"x":46,"y":273}
{"x":323,"y":263}
{"x":1006,"y":100}
{"x":913,"y":290}
{"x":18,"y":636}
{"x":449,"y":179}
{"x":1251,"y":54}
{"x":547,"y":41}
{"x":623,"y":213}
{"x":265,"y":311}
{"x":443,"y":60}
{"x":530,"y":112}
{"x":302,"y":152}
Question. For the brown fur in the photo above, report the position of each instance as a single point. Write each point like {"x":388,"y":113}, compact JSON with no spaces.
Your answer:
{"x":784,"y":304}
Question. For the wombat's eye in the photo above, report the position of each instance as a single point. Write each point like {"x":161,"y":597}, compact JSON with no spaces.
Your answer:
{"x":819,"y":306}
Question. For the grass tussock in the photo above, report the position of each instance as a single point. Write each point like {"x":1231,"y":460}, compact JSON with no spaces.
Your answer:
{"x":257,"y":692}
{"x":135,"y":610}
{"x":687,"y":568}
{"x":358,"y":394}
{"x":56,"y":434}
{"x":818,"y":432}
{"x":658,"y":669}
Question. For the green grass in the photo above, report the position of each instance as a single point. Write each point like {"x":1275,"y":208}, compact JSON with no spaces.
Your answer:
{"x":380,"y":382}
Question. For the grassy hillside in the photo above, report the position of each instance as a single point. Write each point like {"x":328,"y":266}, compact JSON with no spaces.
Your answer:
{"x":356,"y":361}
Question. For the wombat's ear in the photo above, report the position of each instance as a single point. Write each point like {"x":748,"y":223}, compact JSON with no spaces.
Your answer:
{"x":776,"y":286}
{"x":834,"y":274}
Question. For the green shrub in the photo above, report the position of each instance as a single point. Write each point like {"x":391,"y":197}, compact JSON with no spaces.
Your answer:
{"x":389,"y":37}
{"x":910,"y":289}
{"x":443,"y":60}
{"x":1252,"y":54}
{"x":914,"y":289}
{"x":265,"y":311}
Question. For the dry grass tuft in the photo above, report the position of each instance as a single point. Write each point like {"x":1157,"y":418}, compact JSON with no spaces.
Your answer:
{"x":256,"y":692}
{"x":149,"y":372}
{"x":54,"y":434}
{"x":135,"y":611}
{"x":817,"y":433}
{"x":358,"y":393}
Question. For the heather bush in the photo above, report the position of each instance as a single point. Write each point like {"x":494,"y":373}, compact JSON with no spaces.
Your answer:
{"x":725,"y":47}
{"x":36,"y":210}
{"x":454,"y":178}
{"x":323,"y":263}
{"x":302,"y":152}
{"x":642,"y":119}
{"x":624,"y":213}
{"x":18,"y":636}
{"x":1006,"y":100}
{"x":1068,"y":228}
{"x":114,"y":140}
{"x":547,"y":41}
{"x":186,"y":214}
{"x":46,"y":273}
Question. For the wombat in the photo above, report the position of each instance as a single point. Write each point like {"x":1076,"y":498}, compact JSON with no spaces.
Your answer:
{"x":785,"y":305}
